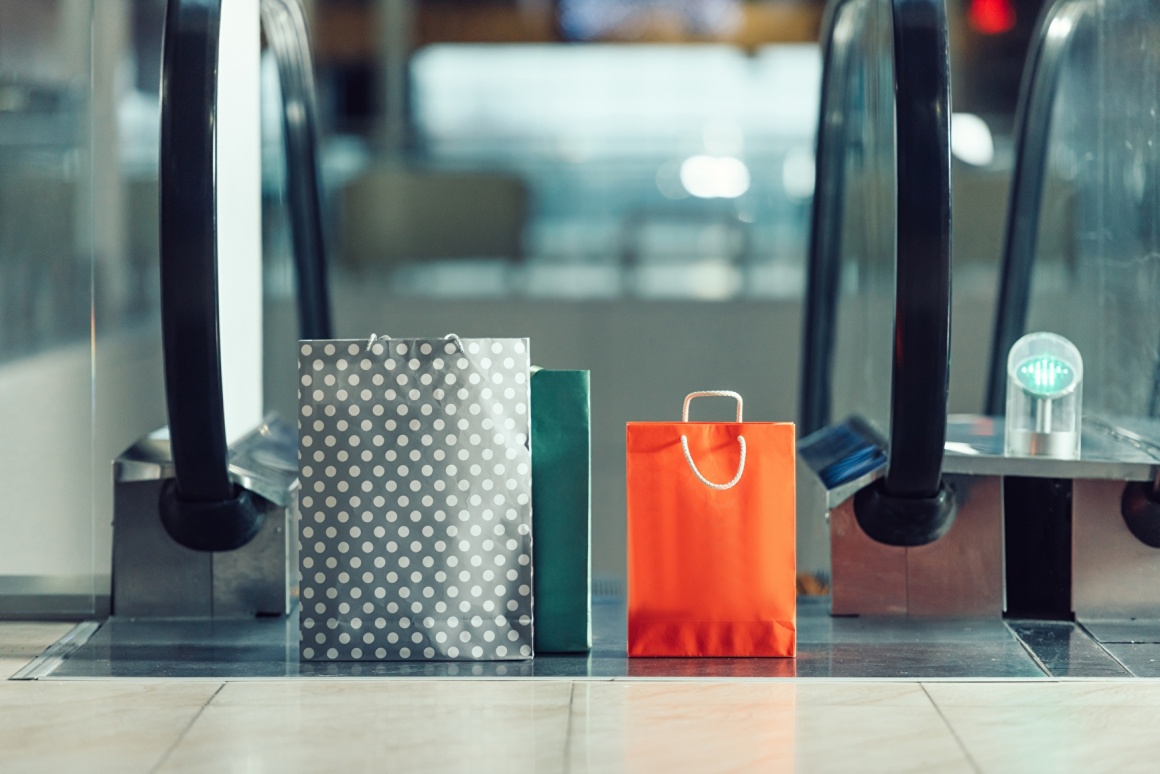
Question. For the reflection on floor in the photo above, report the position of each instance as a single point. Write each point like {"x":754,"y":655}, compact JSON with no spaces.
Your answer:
{"x":828,"y":647}
{"x":593,"y":724}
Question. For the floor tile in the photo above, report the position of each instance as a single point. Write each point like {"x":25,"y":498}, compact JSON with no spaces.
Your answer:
{"x":20,"y":642}
{"x":710,"y":727}
{"x":1122,"y":693}
{"x":93,"y":727}
{"x":1058,"y":727}
{"x":355,"y":725}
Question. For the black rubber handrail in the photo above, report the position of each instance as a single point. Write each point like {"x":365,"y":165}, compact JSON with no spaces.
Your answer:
{"x":200,"y":507}
{"x":922,"y":314}
{"x":1033,"y":125}
{"x":911,"y":505}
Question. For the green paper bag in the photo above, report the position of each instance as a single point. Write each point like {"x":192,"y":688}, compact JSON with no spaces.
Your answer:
{"x":561,"y":512}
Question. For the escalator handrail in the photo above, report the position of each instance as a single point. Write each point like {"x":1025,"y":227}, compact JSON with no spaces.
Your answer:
{"x":921,"y":373}
{"x":200,"y":507}
{"x":284,"y":24}
{"x":921,"y":356}
{"x":1020,"y":240}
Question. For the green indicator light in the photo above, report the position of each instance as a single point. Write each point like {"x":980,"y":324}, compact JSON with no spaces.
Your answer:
{"x":1045,"y":376}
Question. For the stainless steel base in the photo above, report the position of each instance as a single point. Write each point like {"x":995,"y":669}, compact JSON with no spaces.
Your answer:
{"x":1114,"y":575}
{"x":155,"y":577}
{"x":959,"y":575}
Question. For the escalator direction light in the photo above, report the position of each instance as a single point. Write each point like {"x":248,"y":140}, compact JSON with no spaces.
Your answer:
{"x":991,"y":17}
{"x":1045,"y":376}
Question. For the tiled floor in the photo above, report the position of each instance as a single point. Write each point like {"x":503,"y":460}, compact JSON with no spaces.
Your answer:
{"x":352,"y":725}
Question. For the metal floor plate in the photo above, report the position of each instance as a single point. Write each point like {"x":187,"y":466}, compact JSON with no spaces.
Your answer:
{"x":828,"y":647}
{"x":1133,"y":642}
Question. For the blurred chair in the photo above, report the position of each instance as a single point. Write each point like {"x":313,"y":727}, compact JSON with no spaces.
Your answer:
{"x":394,"y":216}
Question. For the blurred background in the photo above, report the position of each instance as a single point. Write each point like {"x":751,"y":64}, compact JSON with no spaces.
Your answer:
{"x":626,"y":182}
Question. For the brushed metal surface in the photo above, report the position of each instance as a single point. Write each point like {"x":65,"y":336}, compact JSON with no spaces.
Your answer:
{"x":264,"y":461}
{"x":152,"y":574}
{"x":1123,"y":630}
{"x":155,"y":577}
{"x":869,"y":578}
{"x":1114,"y":575}
{"x":1141,"y":659}
{"x":974,"y":446}
{"x":1065,"y":650}
{"x":260,"y":578}
{"x":874,"y":648}
{"x":961,"y":574}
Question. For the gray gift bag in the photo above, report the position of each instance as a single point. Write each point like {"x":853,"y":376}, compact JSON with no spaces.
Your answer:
{"x":415,"y":500}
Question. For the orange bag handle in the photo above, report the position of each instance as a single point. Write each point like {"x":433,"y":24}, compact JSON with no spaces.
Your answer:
{"x":740,"y":438}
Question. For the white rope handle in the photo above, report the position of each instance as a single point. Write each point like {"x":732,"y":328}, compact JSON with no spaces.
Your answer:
{"x":740,"y":438}
{"x":453,"y":337}
{"x":711,"y":394}
{"x":377,"y":339}
{"x":707,"y":482}
{"x":385,"y":339}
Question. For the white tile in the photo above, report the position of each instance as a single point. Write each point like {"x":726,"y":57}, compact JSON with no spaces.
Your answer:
{"x":1121,"y":693}
{"x":657,"y":727}
{"x":1068,"y":726}
{"x":1065,"y":738}
{"x":397,"y":725}
{"x":94,"y":726}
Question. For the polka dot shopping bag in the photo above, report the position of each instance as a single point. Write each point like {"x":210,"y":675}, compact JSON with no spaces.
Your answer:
{"x":711,"y":568}
{"x":415,"y":501}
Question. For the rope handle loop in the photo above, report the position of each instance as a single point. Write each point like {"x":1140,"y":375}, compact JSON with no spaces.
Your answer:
{"x":707,"y":482}
{"x":740,"y":438}
{"x":455,"y":338}
{"x":711,"y":394}
{"x":377,"y":339}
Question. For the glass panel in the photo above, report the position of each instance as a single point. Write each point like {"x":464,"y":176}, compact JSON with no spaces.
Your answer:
{"x":79,"y":350}
{"x":46,"y":268}
{"x":862,"y":361}
{"x":1097,"y":267}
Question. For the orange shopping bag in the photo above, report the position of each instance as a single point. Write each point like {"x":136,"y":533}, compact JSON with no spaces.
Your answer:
{"x":711,"y":537}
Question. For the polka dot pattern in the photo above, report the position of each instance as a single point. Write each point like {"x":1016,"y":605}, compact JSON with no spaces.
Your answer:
{"x":415,"y":500}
